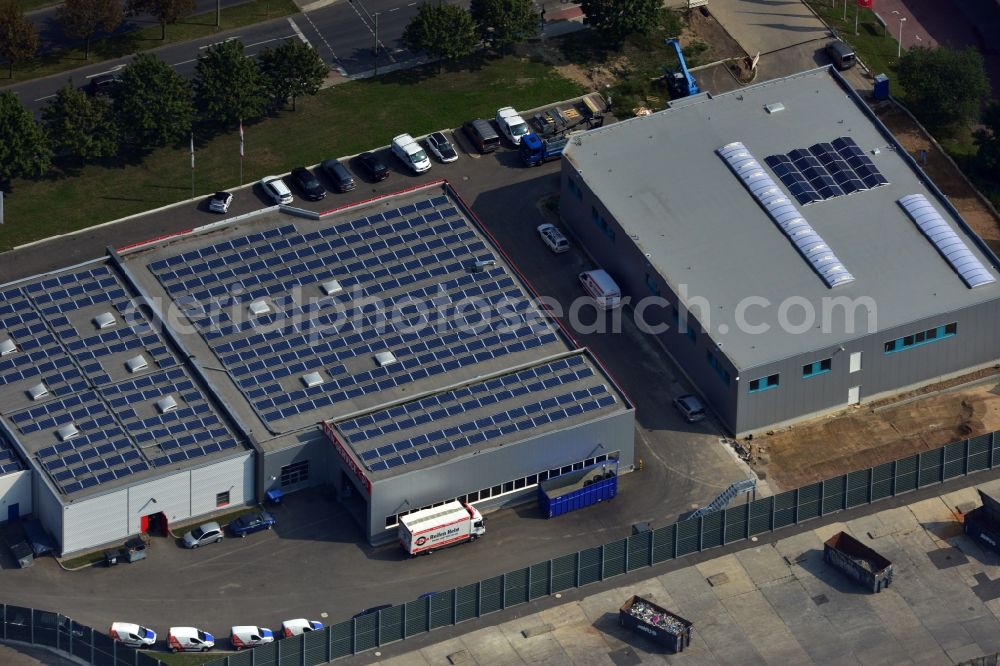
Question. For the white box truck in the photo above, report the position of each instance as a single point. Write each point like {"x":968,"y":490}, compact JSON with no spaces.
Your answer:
{"x":430,"y":529}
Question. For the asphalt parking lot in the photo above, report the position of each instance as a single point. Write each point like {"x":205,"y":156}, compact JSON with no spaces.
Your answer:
{"x":315,"y":564}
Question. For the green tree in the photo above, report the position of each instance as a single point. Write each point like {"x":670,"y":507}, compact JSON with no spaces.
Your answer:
{"x":152,"y":103}
{"x":615,"y":20}
{"x":24,"y":148}
{"x":291,"y":70}
{"x":944,"y":87}
{"x":18,"y":37}
{"x":165,"y":11}
{"x":442,"y":31}
{"x":82,"y":19}
{"x":503,"y":23}
{"x":228,"y":86}
{"x":81,"y":126}
{"x":987,"y":160}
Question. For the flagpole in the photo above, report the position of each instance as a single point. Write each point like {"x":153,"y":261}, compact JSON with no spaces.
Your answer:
{"x":857,"y":11}
{"x":192,"y":165}
{"x":241,"y":151}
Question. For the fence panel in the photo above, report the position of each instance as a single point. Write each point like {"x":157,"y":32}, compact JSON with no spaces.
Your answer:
{"x":760,"y":516}
{"x":930,"y":467}
{"x":290,"y":649}
{"x":736,"y":523}
{"x":614,"y":558}
{"x":442,"y":610}
{"x":564,"y":572}
{"x":979,"y":453}
{"x":639,"y":550}
{"x":491,"y":595}
{"x":143,"y":659}
{"x":46,"y":624}
{"x":390,"y":625}
{"x":516,"y":588}
{"x":539,"y":586}
{"x":809,"y":506}
{"x":711,"y":530}
{"x":688,"y":534}
{"x":590,"y":566}
{"x":784,"y":509}
{"x":416,"y":617}
{"x":882,"y":481}
{"x":857,"y":488}
{"x":315,"y":645}
{"x":466,"y":602}
{"x":365,"y":633}
{"x":342,"y":639}
{"x":251,"y":657}
{"x":663,"y":543}
{"x":954,"y":460}
{"x":833,"y":495}
{"x":124,"y":655}
{"x":17,"y":621}
{"x":906,"y":475}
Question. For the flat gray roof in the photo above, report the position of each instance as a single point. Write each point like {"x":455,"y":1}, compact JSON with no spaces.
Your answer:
{"x":94,"y":422}
{"x":402,"y":276}
{"x":482,"y":415}
{"x":705,"y":233}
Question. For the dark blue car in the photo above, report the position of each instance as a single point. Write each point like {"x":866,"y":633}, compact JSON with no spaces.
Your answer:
{"x":252,"y":522}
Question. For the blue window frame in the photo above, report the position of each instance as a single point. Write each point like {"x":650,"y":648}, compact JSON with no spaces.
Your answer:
{"x":574,"y":188}
{"x":717,"y":366}
{"x":602,"y":224}
{"x":921,"y":338}
{"x":764,"y":383}
{"x":816,"y":368}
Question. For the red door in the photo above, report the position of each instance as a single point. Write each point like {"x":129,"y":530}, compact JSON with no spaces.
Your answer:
{"x":144,"y":524}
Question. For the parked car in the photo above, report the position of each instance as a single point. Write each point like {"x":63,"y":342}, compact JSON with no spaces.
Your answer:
{"x":441,"y":147}
{"x":410,"y":153}
{"x":690,"y":408}
{"x":252,"y":522}
{"x":482,"y":135}
{"x":511,"y":124}
{"x":276,"y":189}
{"x":249,"y":636}
{"x":103,"y":84}
{"x":295,"y":627}
{"x":219,"y":203}
{"x":207,"y":533}
{"x":133,"y":635}
{"x":841,"y":54}
{"x":373,"y":166}
{"x":554,"y":238}
{"x":339,"y":175}
{"x":308,"y":184}
{"x":369,"y":611}
{"x":189,"y":639}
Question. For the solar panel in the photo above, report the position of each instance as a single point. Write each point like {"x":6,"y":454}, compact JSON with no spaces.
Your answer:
{"x":947,"y":242}
{"x":784,"y":214}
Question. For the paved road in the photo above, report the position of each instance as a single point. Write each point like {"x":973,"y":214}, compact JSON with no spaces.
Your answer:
{"x":343,"y":33}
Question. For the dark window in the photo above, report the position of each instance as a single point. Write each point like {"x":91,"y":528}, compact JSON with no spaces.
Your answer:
{"x":297,"y":472}
{"x":473,"y":496}
{"x":391,"y":521}
{"x":951,"y":329}
{"x":509,"y":486}
{"x":532,"y":479}
{"x":222,"y":499}
{"x":496,"y":490}
{"x":518,"y":484}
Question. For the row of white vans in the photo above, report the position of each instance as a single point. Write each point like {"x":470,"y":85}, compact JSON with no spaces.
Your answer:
{"x":190,"y":639}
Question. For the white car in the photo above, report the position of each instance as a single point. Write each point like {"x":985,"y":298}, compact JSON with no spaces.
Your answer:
{"x":220,"y":202}
{"x":511,"y":125}
{"x":554,"y":238}
{"x":291,"y":628}
{"x":410,"y":153}
{"x":439,"y":144}
{"x":275,"y":188}
{"x":133,"y":635}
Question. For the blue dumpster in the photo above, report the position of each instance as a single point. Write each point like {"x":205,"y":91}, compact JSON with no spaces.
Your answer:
{"x":881,"y":92}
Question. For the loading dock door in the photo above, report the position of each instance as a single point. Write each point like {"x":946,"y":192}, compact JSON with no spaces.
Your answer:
{"x":13,"y":512}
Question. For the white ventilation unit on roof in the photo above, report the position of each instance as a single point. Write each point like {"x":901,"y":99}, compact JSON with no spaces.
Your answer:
{"x":136,"y":363}
{"x":774,"y":108}
{"x":312,"y":379}
{"x":385,"y":358}
{"x":947,"y":242}
{"x":38,"y":391}
{"x":67,"y":432}
{"x":331,"y":287}
{"x":785,"y":215}
{"x":7,"y":347}
{"x":166,"y":404}
{"x":104,"y":320}
{"x":260,"y":307}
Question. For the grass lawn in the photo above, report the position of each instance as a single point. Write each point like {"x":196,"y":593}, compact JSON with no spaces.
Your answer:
{"x":144,"y":39}
{"x":341,"y":120}
{"x":188,"y":658}
{"x":876,"y":48}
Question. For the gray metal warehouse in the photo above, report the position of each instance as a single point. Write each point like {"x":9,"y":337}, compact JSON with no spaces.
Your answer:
{"x":388,"y":349}
{"x":118,"y":432}
{"x":800,"y":259}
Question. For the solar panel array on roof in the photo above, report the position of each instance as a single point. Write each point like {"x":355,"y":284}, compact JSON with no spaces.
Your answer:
{"x":947,"y":242}
{"x":515,"y":403}
{"x":785,"y":215}
{"x":104,"y":439}
{"x":9,"y":460}
{"x":415,"y":254}
{"x":826,"y":170}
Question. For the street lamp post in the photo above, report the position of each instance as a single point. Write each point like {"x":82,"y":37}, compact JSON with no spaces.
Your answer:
{"x":899,"y":50}
{"x":376,"y":43}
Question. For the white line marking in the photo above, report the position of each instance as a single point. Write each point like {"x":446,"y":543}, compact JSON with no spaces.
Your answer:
{"x":333,"y":54}
{"x":394,"y":9}
{"x":228,"y":39}
{"x":298,"y":31}
{"x":275,"y":39}
{"x":184,"y":62}
{"x":110,"y":71}
{"x":46,"y":97}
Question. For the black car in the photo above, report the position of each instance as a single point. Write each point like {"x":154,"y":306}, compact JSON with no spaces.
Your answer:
{"x":373,"y":166}
{"x":308,"y":183}
{"x":103,"y":84}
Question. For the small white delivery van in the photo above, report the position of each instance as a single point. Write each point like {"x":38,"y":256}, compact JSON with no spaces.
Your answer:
{"x":599,"y":285}
{"x":189,"y":639}
{"x":248,"y":637}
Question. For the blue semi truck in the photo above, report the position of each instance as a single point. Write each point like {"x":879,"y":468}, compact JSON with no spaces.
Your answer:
{"x":578,"y":489}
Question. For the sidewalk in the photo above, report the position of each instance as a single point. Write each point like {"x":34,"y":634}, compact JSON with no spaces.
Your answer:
{"x":755,"y":607}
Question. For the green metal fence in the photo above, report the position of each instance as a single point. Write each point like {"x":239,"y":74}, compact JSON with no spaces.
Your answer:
{"x":545,"y":578}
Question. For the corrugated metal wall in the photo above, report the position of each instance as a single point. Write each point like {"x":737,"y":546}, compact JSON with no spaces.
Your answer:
{"x":15,"y":488}
{"x":170,"y":495}
{"x":47,"y":507}
{"x":95,"y":521}
{"x":235,"y":476}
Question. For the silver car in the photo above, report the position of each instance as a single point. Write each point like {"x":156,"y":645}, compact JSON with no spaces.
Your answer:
{"x":207,"y":533}
{"x":274,"y":187}
{"x":554,"y":238}
{"x":690,"y":408}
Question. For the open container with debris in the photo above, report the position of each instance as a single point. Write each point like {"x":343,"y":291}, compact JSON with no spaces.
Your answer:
{"x":644,"y":617}
{"x":858,"y":561}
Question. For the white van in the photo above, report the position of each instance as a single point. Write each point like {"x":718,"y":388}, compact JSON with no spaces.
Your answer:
{"x":189,"y":639}
{"x":299,"y":626}
{"x":133,"y":635}
{"x":248,"y":637}
{"x":599,"y":285}
{"x":410,"y":153}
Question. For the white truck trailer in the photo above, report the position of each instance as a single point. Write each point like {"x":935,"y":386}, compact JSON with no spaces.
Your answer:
{"x":438,"y":527}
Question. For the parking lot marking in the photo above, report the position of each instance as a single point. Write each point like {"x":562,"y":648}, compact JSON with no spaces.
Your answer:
{"x":110,"y":71}
{"x":46,"y":97}
{"x":298,"y":32}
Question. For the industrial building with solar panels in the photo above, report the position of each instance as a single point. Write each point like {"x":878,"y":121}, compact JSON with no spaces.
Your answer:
{"x":803,"y":261}
{"x":387,"y":349}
